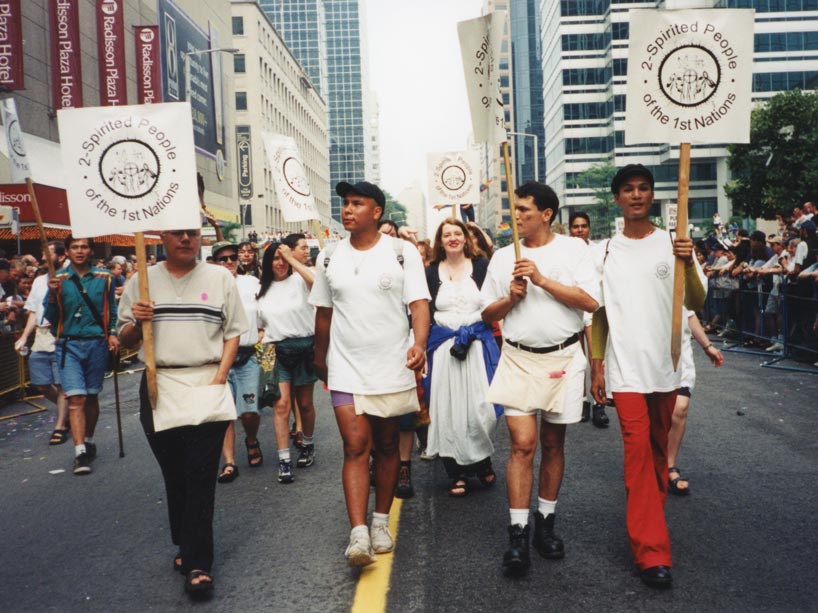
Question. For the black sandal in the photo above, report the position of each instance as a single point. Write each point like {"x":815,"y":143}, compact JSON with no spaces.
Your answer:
{"x":673,"y":484}
{"x":177,"y":562}
{"x":485,"y":473}
{"x":59,"y":436}
{"x":229,"y":473}
{"x":459,"y":487}
{"x":254,"y":455}
{"x":202,"y":586}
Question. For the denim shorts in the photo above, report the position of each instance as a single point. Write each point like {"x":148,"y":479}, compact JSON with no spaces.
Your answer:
{"x":42,"y":368}
{"x":301,"y":373}
{"x":243,"y":382}
{"x":82,"y":363}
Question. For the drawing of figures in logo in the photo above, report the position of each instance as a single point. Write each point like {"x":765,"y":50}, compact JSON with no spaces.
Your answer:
{"x":129,"y":168}
{"x":689,"y":75}
{"x":453,"y":177}
{"x":294,"y":175}
{"x":385,"y":281}
{"x":16,"y":139}
{"x":662,"y":270}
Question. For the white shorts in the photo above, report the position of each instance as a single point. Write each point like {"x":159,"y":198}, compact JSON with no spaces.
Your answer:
{"x":572,"y":398}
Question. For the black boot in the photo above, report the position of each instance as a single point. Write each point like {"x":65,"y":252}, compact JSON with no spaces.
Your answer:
{"x":548,"y":544}
{"x":404,"y":489}
{"x":586,"y":411}
{"x":600,"y":419}
{"x":516,"y":559}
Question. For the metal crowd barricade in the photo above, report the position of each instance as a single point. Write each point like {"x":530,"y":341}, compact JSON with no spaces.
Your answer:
{"x":752,"y":320}
{"x":14,"y":376}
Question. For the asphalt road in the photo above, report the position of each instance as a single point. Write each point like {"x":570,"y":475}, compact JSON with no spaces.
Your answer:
{"x":743,"y":541}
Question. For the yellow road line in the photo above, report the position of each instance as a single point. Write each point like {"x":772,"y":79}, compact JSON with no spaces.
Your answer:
{"x":374,"y":582}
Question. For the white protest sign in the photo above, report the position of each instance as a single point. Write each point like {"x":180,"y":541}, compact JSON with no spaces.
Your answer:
{"x":481,"y":41}
{"x":454,"y":178}
{"x":292,"y":187}
{"x":6,"y":215}
{"x":130,"y":168}
{"x":619,"y":225}
{"x":689,"y":76}
{"x":670,"y":215}
{"x":20,"y":168}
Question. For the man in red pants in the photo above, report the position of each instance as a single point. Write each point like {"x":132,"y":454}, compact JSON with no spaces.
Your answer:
{"x":632,"y":332}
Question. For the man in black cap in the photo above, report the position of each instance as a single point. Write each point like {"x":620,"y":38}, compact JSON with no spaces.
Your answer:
{"x":364,"y":352}
{"x":636,"y":270}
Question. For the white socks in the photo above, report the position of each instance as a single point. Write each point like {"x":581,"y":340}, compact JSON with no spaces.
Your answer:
{"x":546,"y":507}
{"x":519,"y":516}
{"x":380,"y":519}
{"x":361,"y":530}
{"x":284,"y":454}
{"x":79,"y":449}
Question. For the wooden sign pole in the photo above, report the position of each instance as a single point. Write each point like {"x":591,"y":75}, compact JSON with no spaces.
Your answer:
{"x":316,"y":229}
{"x":679,"y":272}
{"x":43,"y":238}
{"x":515,"y":236}
{"x":147,"y":326}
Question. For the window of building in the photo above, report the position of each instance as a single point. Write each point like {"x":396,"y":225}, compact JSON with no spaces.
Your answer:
{"x":238,"y":63}
{"x":241,"y":101}
{"x":238,"y":26}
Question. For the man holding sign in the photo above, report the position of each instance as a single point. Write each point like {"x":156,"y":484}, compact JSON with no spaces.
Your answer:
{"x":636,"y":273}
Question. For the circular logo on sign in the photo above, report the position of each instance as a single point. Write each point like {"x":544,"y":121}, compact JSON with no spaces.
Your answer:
{"x":146,"y":36}
{"x":293,"y":173}
{"x":16,"y":139}
{"x":453,"y":177}
{"x":109,"y":7}
{"x":689,"y":75}
{"x":385,"y":281}
{"x":129,"y":168}
{"x":662,"y":270}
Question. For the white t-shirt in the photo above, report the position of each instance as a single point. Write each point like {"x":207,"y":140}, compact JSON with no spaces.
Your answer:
{"x":637,"y":293}
{"x":801,"y":253}
{"x":284,"y":311}
{"x":369,"y":336}
{"x":539,"y":320}
{"x":248,"y":290}
{"x":34,"y":302}
{"x":686,"y":364}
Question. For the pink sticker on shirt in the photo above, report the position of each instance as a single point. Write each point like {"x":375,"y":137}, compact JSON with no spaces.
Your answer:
{"x":204,"y":295}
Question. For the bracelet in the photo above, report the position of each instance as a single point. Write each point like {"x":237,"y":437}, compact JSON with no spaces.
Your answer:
{"x":706,"y":347}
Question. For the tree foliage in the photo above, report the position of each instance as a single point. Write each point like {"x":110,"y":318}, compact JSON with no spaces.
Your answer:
{"x":394,"y":210}
{"x":778,"y":168}
{"x":603,"y":212}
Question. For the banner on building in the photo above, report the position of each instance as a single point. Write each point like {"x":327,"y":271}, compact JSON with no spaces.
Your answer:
{"x":11,"y":45}
{"x":66,"y":67}
{"x":481,"y":42}
{"x":689,"y":76}
{"x":129,"y":168}
{"x":18,"y":160}
{"x":244,"y":150}
{"x":6,"y":215}
{"x":148,"y":66}
{"x":179,"y":36}
{"x":113,"y":86}
{"x":292,"y":187}
{"x":454,"y":178}
{"x":52,"y":202}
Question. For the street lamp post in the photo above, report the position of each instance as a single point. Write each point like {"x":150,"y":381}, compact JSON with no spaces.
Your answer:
{"x":536,"y":152}
{"x":186,"y":62}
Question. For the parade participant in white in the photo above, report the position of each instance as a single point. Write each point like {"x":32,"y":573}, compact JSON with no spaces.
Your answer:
{"x":541,"y":299}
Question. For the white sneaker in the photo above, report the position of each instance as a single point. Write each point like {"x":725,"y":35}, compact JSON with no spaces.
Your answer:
{"x":775,"y":347}
{"x":359,"y":551}
{"x":381,"y":539}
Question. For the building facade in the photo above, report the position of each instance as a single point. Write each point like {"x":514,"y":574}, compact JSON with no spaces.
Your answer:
{"x":274,"y":94}
{"x":584,"y":61}
{"x":301,"y":23}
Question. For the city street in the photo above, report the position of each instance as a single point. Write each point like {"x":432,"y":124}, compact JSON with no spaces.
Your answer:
{"x":743,"y":541}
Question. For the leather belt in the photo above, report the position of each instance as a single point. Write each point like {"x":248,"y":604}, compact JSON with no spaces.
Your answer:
{"x":566,"y":343}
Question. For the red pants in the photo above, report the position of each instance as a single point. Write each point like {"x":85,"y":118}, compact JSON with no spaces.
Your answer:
{"x":645,"y":422}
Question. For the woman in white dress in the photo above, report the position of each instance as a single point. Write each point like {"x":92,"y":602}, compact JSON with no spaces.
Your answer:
{"x":462,"y":357}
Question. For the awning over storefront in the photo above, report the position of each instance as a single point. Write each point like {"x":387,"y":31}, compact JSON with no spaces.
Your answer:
{"x":29,"y":232}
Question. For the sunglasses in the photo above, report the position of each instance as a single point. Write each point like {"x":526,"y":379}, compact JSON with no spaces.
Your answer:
{"x":181,"y":233}
{"x":227,"y":258}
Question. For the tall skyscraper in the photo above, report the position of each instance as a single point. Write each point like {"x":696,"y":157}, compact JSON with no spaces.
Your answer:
{"x":526,"y":58}
{"x":585,"y":48}
{"x":301,"y":24}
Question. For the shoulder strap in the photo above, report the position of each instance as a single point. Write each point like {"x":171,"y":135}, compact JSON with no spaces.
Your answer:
{"x":397,"y":245}
{"x":479,"y":269}
{"x":433,"y":279}
{"x":90,"y":304}
{"x":607,"y":248}
{"x":328,"y":254}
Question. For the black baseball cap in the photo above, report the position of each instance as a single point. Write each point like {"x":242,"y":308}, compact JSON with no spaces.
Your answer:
{"x":626,"y":172}
{"x":362,"y":188}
